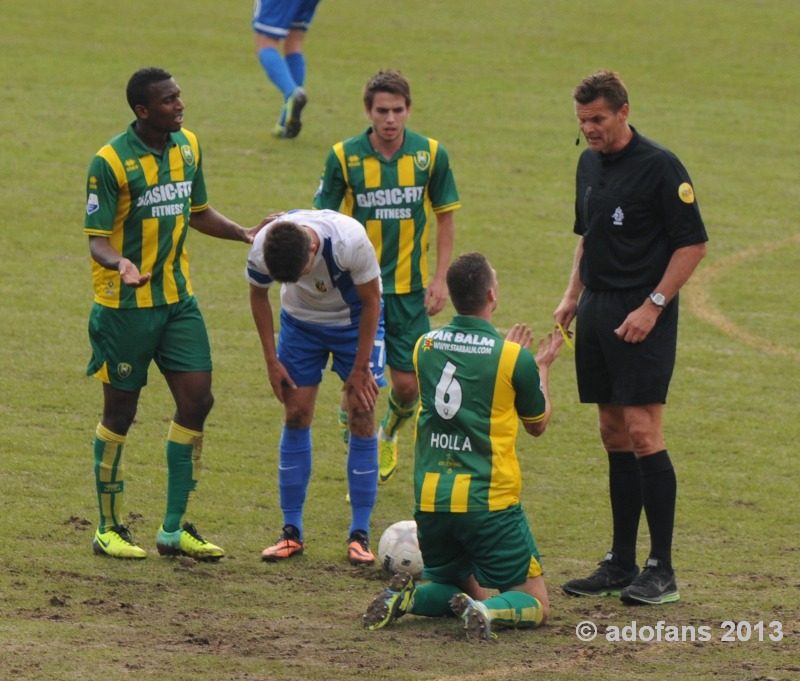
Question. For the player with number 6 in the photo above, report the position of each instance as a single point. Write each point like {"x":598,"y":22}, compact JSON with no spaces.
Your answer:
{"x":475,"y":388}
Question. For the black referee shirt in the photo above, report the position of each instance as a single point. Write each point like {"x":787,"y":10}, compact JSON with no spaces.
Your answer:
{"x":634,"y":208}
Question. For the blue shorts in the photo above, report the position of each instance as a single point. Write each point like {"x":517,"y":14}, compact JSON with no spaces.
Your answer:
{"x":303,"y":348}
{"x":275,"y":18}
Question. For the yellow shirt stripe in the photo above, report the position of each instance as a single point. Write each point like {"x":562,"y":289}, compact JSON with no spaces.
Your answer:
{"x":459,"y":499}
{"x":427,"y":500}
{"x":503,"y":430}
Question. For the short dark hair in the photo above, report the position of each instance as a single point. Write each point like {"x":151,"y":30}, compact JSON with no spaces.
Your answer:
{"x":138,"y":90}
{"x":287,"y":248}
{"x":387,"y":80}
{"x":607,"y":84}
{"x":469,"y":279}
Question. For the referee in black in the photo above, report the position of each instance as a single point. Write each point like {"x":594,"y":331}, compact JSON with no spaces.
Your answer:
{"x":641,"y":237}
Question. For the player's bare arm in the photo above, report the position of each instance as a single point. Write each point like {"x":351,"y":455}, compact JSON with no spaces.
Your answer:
{"x":213,"y":223}
{"x":568,"y":307}
{"x":262,"y":316}
{"x":640,"y":322}
{"x":109,"y":257}
{"x":436,"y":293}
{"x":547,"y":352}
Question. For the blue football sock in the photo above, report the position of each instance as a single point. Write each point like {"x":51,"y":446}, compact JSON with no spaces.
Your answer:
{"x":296,"y":63}
{"x":294,"y":472}
{"x":277,"y":71}
{"x":362,"y":477}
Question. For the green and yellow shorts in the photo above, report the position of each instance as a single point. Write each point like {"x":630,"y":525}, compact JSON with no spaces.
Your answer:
{"x":496,"y":546}
{"x":125,"y":341}
{"x":405,"y":320}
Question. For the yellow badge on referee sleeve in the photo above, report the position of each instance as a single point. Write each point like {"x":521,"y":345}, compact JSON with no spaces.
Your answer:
{"x":686,"y":192}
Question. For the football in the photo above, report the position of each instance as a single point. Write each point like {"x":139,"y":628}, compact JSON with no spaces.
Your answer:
{"x":398,"y":549}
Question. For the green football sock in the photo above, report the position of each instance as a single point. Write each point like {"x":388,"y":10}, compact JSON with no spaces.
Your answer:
{"x":397,"y":414}
{"x":433,"y":600}
{"x":184,"y":448}
{"x":515,"y":609}
{"x":344,"y":426}
{"x":109,"y":476}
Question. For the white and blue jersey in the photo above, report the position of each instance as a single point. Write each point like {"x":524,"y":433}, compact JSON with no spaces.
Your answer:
{"x":320,"y":312}
{"x":326,"y":296}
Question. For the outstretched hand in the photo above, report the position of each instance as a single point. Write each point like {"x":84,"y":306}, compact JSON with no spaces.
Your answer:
{"x":520,"y":333}
{"x":548,"y":347}
{"x":130,"y":275}
{"x":548,"y":350}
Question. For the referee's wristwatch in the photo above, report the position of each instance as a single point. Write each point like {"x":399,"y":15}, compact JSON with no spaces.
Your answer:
{"x":658,"y":299}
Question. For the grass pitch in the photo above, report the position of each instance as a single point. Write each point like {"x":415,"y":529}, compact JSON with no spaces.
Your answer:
{"x":714,"y":82}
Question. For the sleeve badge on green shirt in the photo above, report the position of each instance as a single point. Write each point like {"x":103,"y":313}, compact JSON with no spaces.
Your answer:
{"x":188,"y":154}
{"x":92,"y":204}
{"x":422,"y":159}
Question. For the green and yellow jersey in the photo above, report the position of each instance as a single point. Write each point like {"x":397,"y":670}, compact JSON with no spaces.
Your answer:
{"x":393,"y":199}
{"x":141,"y":202}
{"x":474,"y":388}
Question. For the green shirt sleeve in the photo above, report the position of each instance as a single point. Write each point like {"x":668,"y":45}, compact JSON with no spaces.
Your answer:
{"x":529,"y":402}
{"x":102,"y":190}
{"x":442,"y":185}
{"x":332,"y":184}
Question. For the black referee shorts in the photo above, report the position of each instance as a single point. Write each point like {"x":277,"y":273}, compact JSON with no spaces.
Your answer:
{"x":611,"y":371}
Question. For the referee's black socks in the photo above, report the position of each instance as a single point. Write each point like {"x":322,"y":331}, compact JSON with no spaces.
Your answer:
{"x":625,"y":490}
{"x":659,"y":491}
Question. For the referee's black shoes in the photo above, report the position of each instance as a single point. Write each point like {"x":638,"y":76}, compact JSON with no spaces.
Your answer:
{"x":609,"y":579}
{"x":654,"y":586}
